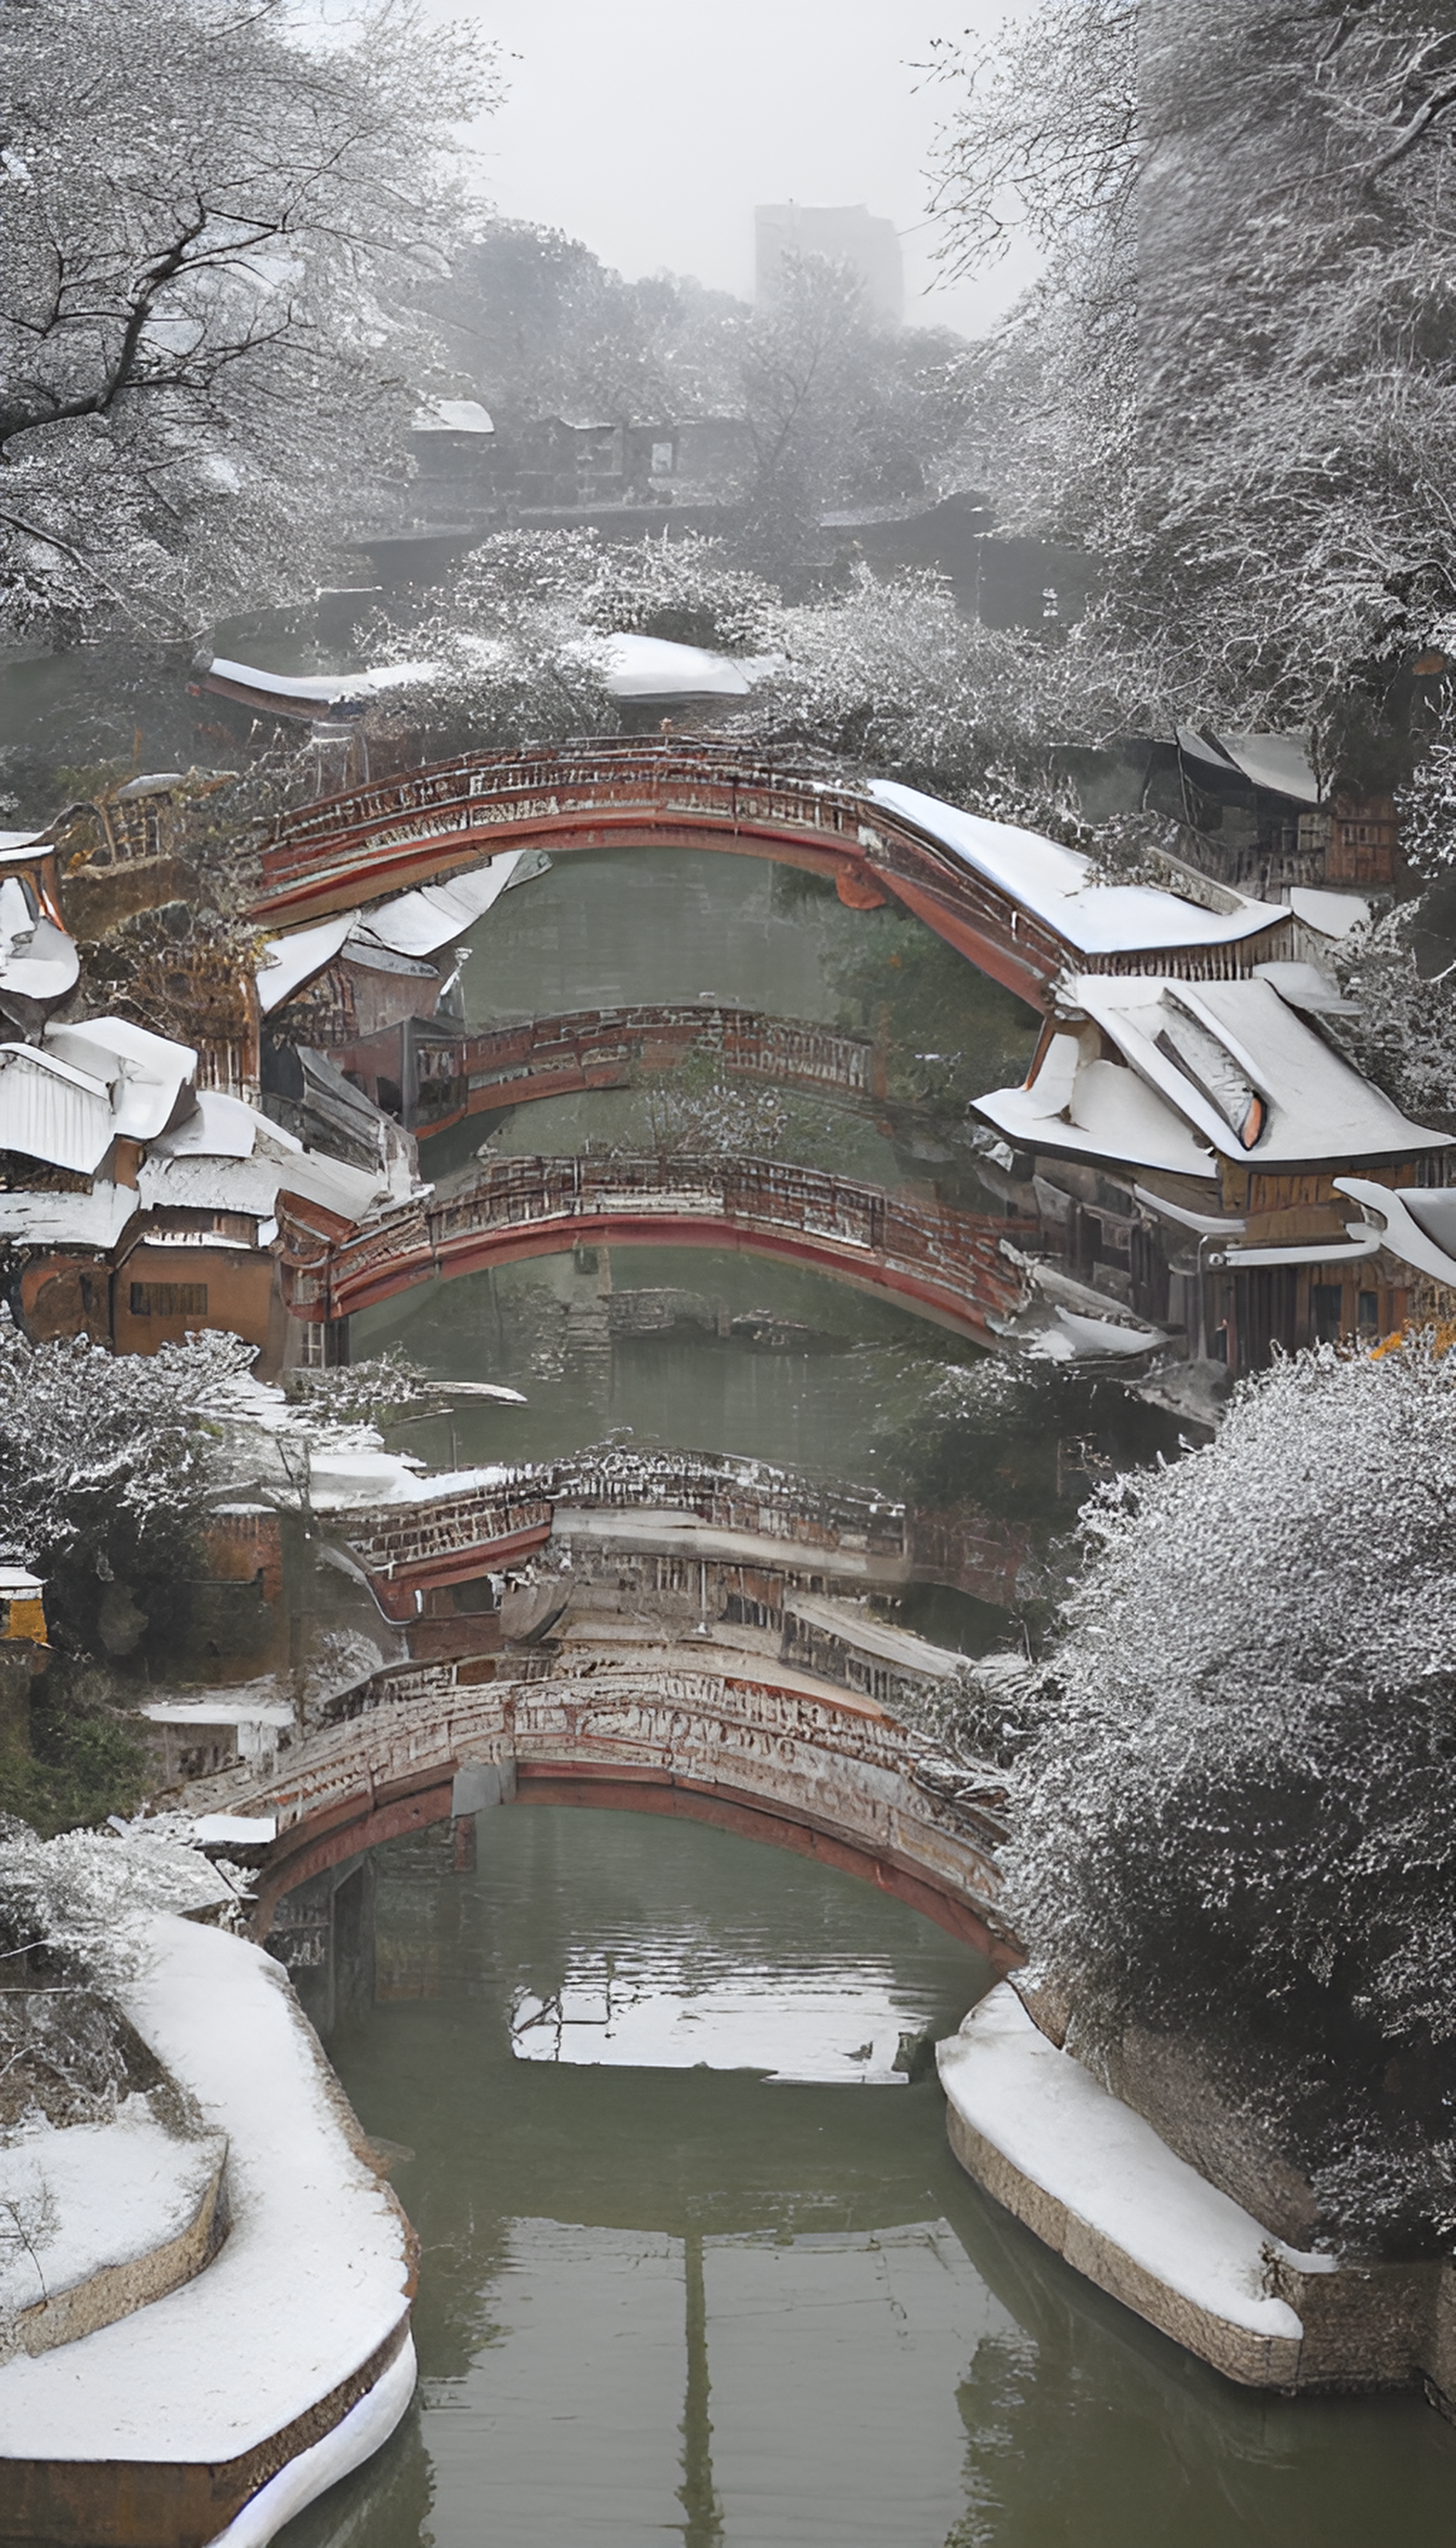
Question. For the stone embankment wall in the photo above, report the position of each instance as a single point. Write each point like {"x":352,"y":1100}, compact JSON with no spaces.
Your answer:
{"x":1148,"y":2199}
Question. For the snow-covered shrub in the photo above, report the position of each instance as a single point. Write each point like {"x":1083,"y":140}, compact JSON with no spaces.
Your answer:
{"x":1238,"y":1823}
{"x":106,"y":1465}
{"x":892,"y":674}
{"x":359,"y":1392}
{"x":82,"y":1900}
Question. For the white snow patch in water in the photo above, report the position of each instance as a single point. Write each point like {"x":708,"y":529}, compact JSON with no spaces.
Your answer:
{"x":841,"y":2027}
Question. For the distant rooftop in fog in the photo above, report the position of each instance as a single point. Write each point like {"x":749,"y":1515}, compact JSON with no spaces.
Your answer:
{"x":847,"y":233}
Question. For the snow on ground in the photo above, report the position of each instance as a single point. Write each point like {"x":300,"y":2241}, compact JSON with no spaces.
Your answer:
{"x":311,"y":2279}
{"x":74,"y":2199}
{"x":1049,"y":2118}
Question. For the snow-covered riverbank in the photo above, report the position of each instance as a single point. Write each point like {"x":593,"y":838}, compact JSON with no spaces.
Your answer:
{"x":288,"y":2357}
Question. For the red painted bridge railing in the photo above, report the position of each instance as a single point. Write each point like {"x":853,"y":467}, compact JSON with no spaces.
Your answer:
{"x":447,"y":1538}
{"x":949,"y":1265}
{"x":559,"y":1056}
{"x":433,"y":821}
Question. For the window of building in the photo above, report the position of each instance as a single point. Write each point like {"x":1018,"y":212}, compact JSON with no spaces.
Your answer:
{"x":1325,"y":1305}
{"x":1369,"y":1312}
{"x":169,"y":1300}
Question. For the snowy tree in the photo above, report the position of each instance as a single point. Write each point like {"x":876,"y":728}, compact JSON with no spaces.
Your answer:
{"x":538,"y":322}
{"x":886,"y":675}
{"x":106,"y":1468}
{"x":1426,"y":807}
{"x":1234,"y":378}
{"x":892,"y":675}
{"x":1404,"y":1033}
{"x":1238,"y":1823}
{"x":512,"y":641}
{"x":841,"y":411}
{"x":218,"y":221}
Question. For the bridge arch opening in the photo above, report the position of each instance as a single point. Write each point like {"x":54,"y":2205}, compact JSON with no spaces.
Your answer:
{"x":340,"y":1846}
{"x":777,"y":1758}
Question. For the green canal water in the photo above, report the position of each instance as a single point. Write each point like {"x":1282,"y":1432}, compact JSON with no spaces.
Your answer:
{"x":688,"y":2274}
{"x":696,"y":2263}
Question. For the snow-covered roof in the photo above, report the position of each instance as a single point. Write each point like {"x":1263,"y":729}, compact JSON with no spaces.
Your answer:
{"x":453,"y":416}
{"x":1304,"y":987}
{"x":13,"y":844}
{"x":1419,"y":1222}
{"x":419,"y":924}
{"x":1317,"y":1106}
{"x":1206,"y":1069}
{"x":316,"y":689}
{"x":222,"y":1128}
{"x":288,"y":962}
{"x":1051,"y":881}
{"x":95,"y":1219}
{"x":1088,"y":1108}
{"x":38,"y":960}
{"x":150,"y":1078}
{"x":411,"y":924}
{"x":1333,"y":915}
{"x":1279,"y":763}
{"x":651,"y":668}
{"x":350,"y":1192}
{"x":50,"y":1109}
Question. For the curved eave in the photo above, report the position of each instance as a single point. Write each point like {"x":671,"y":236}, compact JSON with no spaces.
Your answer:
{"x":1404,"y":1235}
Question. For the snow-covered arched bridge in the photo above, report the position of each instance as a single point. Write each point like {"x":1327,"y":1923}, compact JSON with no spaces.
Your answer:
{"x":1021,"y":907}
{"x":948,"y":1267}
{"x":767,"y":1755}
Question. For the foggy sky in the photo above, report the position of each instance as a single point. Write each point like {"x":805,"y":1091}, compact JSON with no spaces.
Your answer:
{"x":651,"y":132}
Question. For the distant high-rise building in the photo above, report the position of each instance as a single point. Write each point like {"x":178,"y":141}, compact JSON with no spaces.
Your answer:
{"x":847,"y":233}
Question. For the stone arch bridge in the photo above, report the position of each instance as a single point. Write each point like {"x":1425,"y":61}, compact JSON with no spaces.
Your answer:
{"x":748,"y":1516}
{"x":948,"y":1266}
{"x":767,"y":1755}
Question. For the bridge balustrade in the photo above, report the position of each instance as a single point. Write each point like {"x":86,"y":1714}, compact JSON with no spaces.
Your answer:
{"x":373,"y":839}
{"x":609,"y":1043}
{"x":958,"y":1253}
{"x":481,"y":787}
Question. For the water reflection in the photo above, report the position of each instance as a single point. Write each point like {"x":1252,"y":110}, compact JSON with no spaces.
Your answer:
{"x":844,"y":2027}
{"x":663,"y":2303}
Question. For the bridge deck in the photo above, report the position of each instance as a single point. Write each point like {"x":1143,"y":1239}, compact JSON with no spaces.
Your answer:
{"x":739,"y":1512}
